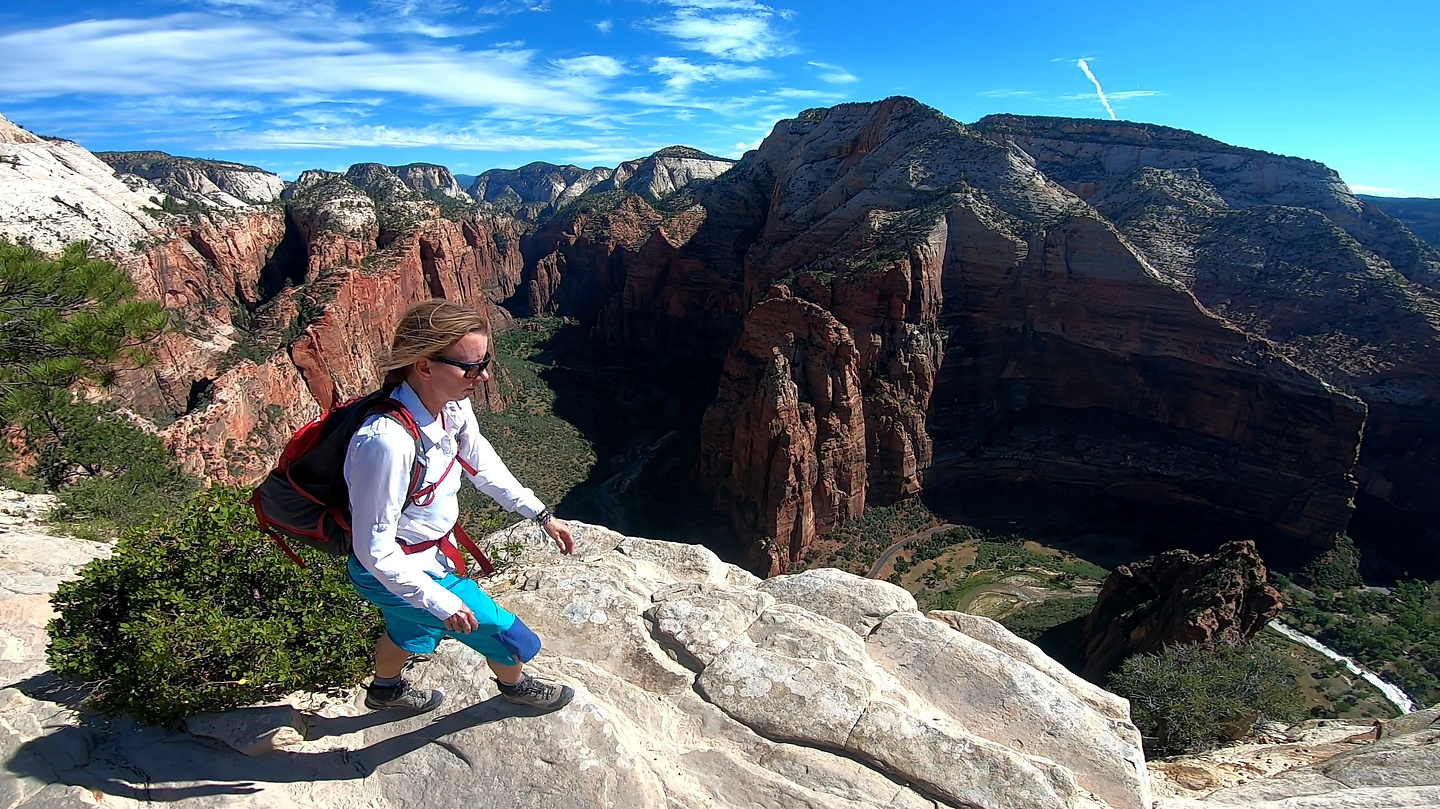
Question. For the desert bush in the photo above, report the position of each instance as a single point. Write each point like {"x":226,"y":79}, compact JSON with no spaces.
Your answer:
{"x":1188,"y":699}
{"x":196,"y":611}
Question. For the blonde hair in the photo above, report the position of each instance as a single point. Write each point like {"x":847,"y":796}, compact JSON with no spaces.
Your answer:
{"x":426,"y":329}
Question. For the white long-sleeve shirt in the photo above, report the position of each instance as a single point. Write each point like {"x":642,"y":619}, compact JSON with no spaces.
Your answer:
{"x":377,"y":470}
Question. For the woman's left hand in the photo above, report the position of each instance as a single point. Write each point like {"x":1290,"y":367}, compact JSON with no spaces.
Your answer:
{"x":560,"y":532}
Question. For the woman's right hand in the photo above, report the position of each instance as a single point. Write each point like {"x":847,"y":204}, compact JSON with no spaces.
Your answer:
{"x":463,"y":622}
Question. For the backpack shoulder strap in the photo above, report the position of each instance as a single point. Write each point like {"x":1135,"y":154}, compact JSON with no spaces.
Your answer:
{"x":391,"y":409}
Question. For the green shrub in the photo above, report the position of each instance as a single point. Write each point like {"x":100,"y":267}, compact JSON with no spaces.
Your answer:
{"x":1188,"y":699}
{"x":197,"y":611}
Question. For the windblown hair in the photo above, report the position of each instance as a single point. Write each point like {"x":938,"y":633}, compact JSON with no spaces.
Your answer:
{"x":426,"y":329}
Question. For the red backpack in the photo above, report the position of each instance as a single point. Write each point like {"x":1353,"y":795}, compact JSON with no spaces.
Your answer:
{"x":305,"y":497}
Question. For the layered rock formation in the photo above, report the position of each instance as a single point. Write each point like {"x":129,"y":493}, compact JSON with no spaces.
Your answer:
{"x":367,"y":246}
{"x":697,"y":685}
{"x":428,"y":178}
{"x":211,"y":183}
{"x":665,"y":172}
{"x":880,"y":302}
{"x":1178,"y":598}
{"x":204,"y":265}
{"x":1002,"y":333}
{"x":535,"y":189}
{"x":1279,"y":247}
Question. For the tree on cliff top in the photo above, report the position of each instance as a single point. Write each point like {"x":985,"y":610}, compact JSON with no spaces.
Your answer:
{"x":64,"y":321}
{"x":1192,"y":698}
{"x":74,"y":320}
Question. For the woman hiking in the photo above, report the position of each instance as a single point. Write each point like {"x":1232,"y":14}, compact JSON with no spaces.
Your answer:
{"x":405,"y":558}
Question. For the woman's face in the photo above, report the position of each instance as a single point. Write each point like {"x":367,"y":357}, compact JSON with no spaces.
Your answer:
{"x":450,"y":381}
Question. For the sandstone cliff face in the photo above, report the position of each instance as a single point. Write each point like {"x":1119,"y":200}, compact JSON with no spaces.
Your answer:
{"x":362,"y":260}
{"x":785,"y":438}
{"x":1178,"y":598}
{"x":212,"y":183}
{"x":1280,"y":248}
{"x":428,"y":178}
{"x":203,"y":265}
{"x":1420,"y":215}
{"x":535,"y":190}
{"x":1004,"y":332}
{"x":54,"y":192}
{"x":665,"y":172}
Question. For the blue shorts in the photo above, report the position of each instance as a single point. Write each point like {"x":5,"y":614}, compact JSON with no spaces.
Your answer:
{"x":501,"y":637}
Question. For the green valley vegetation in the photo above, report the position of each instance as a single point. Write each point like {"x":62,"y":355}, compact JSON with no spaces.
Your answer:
{"x":547,"y":453}
{"x":1188,"y":699}
{"x":69,"y":322}
{"x":196,"y":611}
{"x":1019,"y":582}
{"x":854,"y":545}
{"x":1394,"y":632}
{"x":1024,"y":584}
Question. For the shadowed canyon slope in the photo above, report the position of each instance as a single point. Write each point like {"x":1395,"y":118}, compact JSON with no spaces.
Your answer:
{"x":877,"y":302}
{"x":1279,"y":247}
{"x":920,"y":299}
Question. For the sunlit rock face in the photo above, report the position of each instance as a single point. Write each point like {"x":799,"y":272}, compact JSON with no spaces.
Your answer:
{"x":1178,"y":598}
{"x":209,"y":183}
{"x":878,"y":302}
{"x":697,"y":684}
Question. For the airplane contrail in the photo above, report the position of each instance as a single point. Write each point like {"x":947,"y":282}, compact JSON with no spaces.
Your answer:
{"x":1098,"y":90}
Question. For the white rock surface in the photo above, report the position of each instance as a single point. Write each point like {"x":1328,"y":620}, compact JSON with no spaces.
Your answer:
{"x":1322,"y":764}
{"x":53,"y":193}
{"x":211,"y":183}
{"x":33,"y":561}
{"x":697,"y":686}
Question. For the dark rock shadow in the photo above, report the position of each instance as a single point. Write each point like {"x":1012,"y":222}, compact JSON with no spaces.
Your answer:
{"x":48,"y":687}
{"x":83,"y":756}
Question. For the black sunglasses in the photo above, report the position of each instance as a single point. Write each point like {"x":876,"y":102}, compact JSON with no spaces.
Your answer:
{"x":470,"y":369}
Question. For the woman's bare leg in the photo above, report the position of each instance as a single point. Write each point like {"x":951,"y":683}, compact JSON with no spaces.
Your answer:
{"x":389,"y":658}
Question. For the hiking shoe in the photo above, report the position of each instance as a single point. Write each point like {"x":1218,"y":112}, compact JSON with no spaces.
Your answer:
{"x":537,"y":693}
{"x":402,"y":697}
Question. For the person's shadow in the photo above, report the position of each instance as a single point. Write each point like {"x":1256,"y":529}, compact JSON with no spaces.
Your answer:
{"x":83,"y":756}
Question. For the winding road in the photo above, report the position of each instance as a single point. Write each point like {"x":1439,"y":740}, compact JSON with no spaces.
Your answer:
{"x":898,"y":546}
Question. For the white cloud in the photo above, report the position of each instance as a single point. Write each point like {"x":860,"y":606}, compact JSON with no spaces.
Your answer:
{"x":506,"y":8}
{"x":742,"y":147}
{"x":1373,"y":189}
{"x":1123,"y":95}
{"x":192,"y":53}
{"x":601,"y":66}
{"x":605,"y":26}
{"x":1008,"y":93}
{"x":738,"y":30}
{"x":326,"y":137}
{"x":833,"y":73}
{"x":681,"y":73}
{"x":791,"y":92}
{"x":1098,"y":90}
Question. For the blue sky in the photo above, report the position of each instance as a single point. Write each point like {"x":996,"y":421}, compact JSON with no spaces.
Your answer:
{"x":498,"y":83}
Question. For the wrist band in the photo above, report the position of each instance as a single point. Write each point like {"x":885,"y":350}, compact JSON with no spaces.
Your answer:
{"x":544,"y":517}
